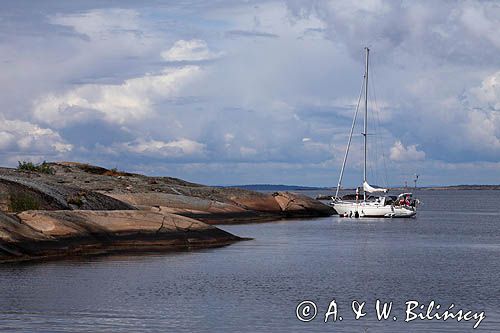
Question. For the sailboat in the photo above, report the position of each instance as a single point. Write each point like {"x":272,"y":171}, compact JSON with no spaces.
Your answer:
{"x":369,"y":205}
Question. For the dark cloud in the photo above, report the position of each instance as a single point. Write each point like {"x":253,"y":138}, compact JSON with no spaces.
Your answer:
{"x":94,"y":132}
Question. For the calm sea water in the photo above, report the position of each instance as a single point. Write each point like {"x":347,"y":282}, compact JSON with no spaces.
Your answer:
{"x":450,"y":254}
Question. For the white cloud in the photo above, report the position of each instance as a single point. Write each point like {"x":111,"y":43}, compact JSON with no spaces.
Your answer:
{"x":130,"y":101}
{"x":22,"y":136}
{"x":488,"y":94}
{"x":483,"y":130}
{"x":101,"y":23}
{"x":190,"y":50}
{"x":400,"y":153}
{"x":177,"y":148}
{"x":479,"y":108}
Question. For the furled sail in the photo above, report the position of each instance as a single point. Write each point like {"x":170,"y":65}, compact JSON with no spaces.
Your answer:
{"x":370,"y":189}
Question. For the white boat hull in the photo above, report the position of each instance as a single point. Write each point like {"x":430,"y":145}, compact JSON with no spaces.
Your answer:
{"x":372,"y":209}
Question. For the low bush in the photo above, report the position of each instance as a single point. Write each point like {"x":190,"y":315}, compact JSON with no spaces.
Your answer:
{"x":43,"y":167}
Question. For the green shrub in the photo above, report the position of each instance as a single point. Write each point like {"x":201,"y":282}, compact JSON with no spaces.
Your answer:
{"x":20,"y":202}
{"x":43,"y":167}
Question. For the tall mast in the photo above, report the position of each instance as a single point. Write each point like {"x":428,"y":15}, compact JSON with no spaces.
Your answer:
{"x":365,"y":130}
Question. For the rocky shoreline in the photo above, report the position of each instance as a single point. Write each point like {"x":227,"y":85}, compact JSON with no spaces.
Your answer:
{"x":80,"y":209}
{"x":38,"y":235}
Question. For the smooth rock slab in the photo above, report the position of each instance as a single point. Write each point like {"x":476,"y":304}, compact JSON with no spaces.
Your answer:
{"x":48,"y":234}
{"x":208,"y":211}
{"x":297,"y":205}
{"x":239,"y":208}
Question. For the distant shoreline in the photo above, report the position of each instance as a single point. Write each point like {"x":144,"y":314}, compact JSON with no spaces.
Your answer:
{"x":270,"y":187}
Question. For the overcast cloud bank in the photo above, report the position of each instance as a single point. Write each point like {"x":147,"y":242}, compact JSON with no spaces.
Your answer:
{"x":260,"y":92}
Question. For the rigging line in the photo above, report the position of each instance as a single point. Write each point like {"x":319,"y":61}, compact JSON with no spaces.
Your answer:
{"x":374,"y":144}
{"x":384,"y":158}
{"x":378,"y":145}
{"x":350,"y":138}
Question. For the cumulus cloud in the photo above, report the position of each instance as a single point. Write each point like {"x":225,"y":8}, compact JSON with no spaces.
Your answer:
{"x":477,"y":114}
{"x":483,"y":130}
{"x":25,"y":137}
{"x":190,"y":50}
{"x":488,"y":94}
{"x":176,"y":148}
{"x":130,"y":101}
{"x":400,"y":153}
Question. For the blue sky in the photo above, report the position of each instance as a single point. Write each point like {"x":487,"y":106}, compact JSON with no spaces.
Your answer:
{"x":234,"y":92}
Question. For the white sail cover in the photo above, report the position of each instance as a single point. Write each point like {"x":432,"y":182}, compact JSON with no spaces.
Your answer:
{"x":370,"y":189}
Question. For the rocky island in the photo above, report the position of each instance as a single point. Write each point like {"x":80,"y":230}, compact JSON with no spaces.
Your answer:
{"x":68,"y":208}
